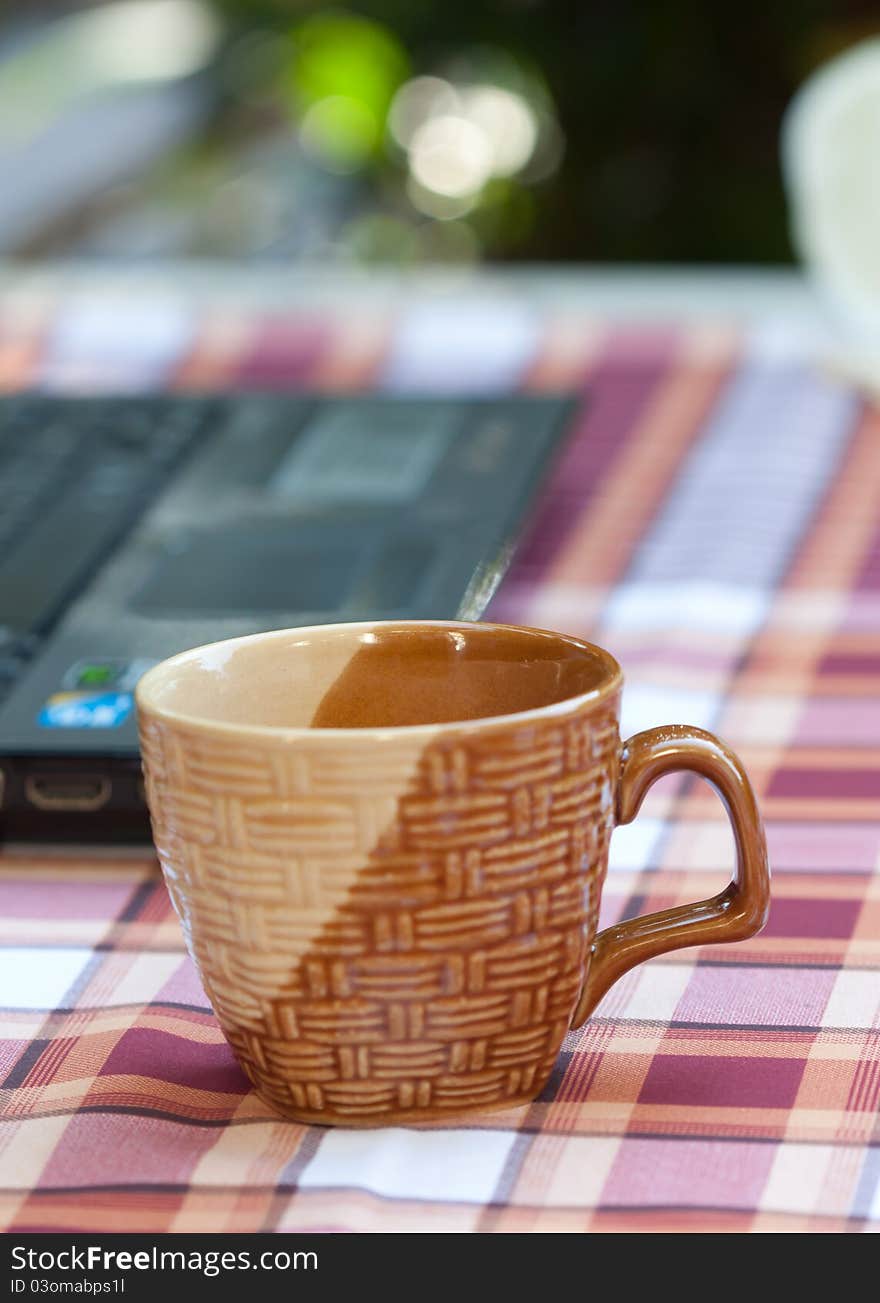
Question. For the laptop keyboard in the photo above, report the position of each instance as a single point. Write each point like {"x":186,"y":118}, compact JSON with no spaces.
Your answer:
{"x":140,"y":525}
{"x":75,"y":475}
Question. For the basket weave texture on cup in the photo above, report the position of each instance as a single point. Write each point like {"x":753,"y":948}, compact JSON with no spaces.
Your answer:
{"x":397,"y":930}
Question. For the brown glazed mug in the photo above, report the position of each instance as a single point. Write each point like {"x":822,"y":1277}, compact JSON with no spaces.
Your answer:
{"x":387,"y":842}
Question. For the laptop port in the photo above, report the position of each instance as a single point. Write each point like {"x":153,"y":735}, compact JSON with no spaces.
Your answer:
{"x":71,"y":791}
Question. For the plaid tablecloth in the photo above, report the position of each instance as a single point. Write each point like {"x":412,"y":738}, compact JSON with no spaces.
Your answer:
{"x":714,"y":521}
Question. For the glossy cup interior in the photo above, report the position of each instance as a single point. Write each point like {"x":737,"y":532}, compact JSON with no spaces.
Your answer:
{"x":386,"y":675}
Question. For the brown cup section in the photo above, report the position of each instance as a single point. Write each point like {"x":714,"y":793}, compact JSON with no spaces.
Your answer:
{"x":410,"y":675}
{"x":401,"y":925}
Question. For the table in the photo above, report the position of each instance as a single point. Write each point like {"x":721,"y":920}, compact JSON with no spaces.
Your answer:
{"x":714,"y":521}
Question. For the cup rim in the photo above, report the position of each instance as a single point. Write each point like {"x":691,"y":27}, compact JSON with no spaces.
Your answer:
{"x":147,"y":684}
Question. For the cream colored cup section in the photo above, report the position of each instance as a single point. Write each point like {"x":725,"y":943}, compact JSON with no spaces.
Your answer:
{"x":262,"y":840}
{"x":274,"y":681}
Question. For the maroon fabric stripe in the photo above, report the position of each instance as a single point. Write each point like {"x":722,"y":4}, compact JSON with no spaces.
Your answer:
{"x":849,"y":663}
{"x":722,"y":1082}
{"x":869,"y":579}
{"x":281,"y":355}
{"x":143,"y":1052}
{"x":831,"y":784}
{"x":812,"y":918}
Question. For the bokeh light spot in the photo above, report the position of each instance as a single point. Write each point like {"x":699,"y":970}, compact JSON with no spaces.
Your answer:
{"x":508,"y":122}
{"x":416,"y":102}
{"x":451,"y":156}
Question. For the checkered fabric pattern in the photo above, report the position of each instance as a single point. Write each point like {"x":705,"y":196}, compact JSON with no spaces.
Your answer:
{"x":715,"y":521}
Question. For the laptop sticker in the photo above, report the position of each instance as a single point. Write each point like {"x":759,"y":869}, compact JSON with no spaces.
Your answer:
{"x":86,"y":710}
{"x":102,"y":674}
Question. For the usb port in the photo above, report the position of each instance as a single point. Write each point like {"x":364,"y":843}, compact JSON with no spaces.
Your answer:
{"x":67,"y":791}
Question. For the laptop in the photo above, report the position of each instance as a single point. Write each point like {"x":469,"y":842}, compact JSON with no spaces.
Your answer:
{"x":136,"y":527}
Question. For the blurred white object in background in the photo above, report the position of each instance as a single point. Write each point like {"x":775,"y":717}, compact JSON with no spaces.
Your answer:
{"x":831,"y":165}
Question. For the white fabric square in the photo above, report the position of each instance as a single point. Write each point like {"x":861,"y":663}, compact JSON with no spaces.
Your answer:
{"x":796,"y":1178}
{"x":38,"y":979}
{"x":657,"y":995}
{"x":462,"y":344}
{"x":632,"y":844}
{"x":700,"y":844}
{"x":580,"y":1167}
{"x":647,"y":705}
{"x":112,"y":343}
{"x":241,"y":1154}
{"x":854,"y":1001}
{"x":27,"y":1146}
{"x":764,"y":720}
{"x":447,"y":1166}
{"x":703,"y":605}
{"x":787,"y":340}
{"x":141,"y":979}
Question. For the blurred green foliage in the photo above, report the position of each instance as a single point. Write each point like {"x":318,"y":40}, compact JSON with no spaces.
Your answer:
{"x":669,"y":115}
{"x":351,"y":67}
{"x":670,"y":112}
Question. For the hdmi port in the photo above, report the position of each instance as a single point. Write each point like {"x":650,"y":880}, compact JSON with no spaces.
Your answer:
{"x":67,"y":791}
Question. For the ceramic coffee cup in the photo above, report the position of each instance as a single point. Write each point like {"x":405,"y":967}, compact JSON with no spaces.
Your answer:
{"x":387,"y":842}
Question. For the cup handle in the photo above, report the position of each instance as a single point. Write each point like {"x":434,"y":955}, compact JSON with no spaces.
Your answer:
{"x":739,"y":911}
